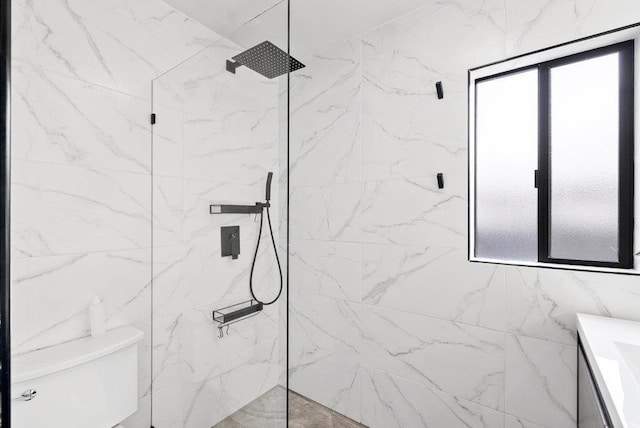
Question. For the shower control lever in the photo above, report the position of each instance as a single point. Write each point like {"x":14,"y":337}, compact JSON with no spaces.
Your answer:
{"x":235,"y":246}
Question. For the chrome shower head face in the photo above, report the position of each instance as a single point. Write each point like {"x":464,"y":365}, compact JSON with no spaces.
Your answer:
{"x":266,"y":59}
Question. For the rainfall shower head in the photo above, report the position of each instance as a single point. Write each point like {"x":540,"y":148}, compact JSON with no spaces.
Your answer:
{"x":266,"y":59}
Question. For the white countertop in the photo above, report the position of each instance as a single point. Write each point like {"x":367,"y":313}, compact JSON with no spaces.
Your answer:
{"x":612,"y":347}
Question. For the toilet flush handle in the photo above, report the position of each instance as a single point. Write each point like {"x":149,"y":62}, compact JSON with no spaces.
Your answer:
{"x":28,"y":395}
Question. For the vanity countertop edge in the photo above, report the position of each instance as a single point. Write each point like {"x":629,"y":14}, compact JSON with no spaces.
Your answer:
{"x":601,"y":339}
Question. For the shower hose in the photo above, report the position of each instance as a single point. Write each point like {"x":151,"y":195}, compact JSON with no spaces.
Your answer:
{"x":255,"y":256}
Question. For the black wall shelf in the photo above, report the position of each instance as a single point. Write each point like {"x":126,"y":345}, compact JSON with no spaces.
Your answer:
{"x":236,"y":313}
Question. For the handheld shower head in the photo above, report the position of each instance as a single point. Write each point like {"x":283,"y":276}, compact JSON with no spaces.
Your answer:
{"x":268,"y":189}
{"x":265,"y":207}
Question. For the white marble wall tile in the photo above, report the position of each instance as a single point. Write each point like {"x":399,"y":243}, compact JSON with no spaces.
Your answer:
{"x":168,"y":406}
{"x":246,"y":106}
{"x":204,"y":402}
{"x":168,"y":141}
{"x":540,"y":381}
{"x":309,"y":364}
{"x":538,"y":24}
{"x":345,"y":54}
{"x":326,"y":213}
{"x":450,"y":36}
{"x":415,"y":212}
{"x":513,"y":422}
{"x":325,"y":119}
{"x":326,"y":323}
{"x":462,"y":360}
{"x":51,"y":295}
{"x":407,"y":131}
{"x":206,"y":354}
{"x":542,"y":303}
{"x":205,"y":80}
{"x":168,"y":89}
{"x":434,"y":281}
{"x":207,"y":277}
{"x":61,"y":210}
{"x":64,"y":120}
{"x":253,"y":373}
{"x":328,"y":379}
{"x":167,"y":281}
{"x":390,"y":401}
{"x":331,"y":269}
{"x":237,"y":146}
{"x":168,"y":211}
{"x":169,"y":366}
{"x":121,"y":44}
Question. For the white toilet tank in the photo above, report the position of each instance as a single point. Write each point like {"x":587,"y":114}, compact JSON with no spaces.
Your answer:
{"x":87,"y":383}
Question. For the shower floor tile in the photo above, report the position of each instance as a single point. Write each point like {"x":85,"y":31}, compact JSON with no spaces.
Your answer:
{"x":268,"y":411}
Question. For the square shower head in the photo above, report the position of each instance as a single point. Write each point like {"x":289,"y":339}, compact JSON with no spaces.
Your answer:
{"x":268,"y":60}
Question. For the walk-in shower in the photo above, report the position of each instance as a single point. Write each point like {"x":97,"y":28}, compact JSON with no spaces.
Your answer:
{"x":219,"y":272}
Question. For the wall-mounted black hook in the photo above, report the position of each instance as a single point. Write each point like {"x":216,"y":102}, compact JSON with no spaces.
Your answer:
{"x":439,"y":90}
{"x":440,"y":180}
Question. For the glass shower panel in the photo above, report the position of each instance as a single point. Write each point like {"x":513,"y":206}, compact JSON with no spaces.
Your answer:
{"x":219,"y":356}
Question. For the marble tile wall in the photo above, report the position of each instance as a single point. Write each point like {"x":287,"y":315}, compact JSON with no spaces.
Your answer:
{"x":390,"y":324}
{"x":81,"y":158}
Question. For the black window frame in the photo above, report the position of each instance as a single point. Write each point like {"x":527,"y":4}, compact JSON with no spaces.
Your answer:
{"x":625,"y":151}
{"x":5,"y":214}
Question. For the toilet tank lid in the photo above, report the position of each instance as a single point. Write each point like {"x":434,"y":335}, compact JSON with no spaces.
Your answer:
{"x":56,"y":358}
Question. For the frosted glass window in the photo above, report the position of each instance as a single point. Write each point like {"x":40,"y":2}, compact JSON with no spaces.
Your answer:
{"x":552,"y":176}
{"x":506,"y":158}
{"x":584,"y":160}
